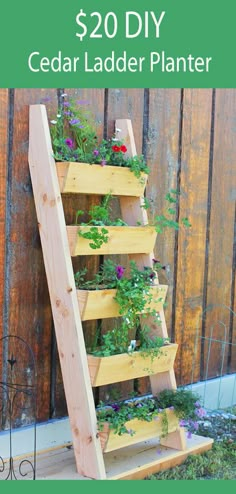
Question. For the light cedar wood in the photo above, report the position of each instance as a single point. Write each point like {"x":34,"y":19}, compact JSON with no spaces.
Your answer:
{"x":132,"y":211}
{"x":119,"y":368}
{"x":63,"y":297}
{"x":122,"y":240}
{"x":100,"y":304}
{"x":84,"y":178}
{"x":143,"y":432}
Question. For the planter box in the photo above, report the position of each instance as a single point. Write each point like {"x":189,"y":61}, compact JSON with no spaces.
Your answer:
{"x":84,"y":178}
{"x":100,"y":304}
{"x":122,"y":240}
{"x":117,"y":368}
{"x":143,"y":432}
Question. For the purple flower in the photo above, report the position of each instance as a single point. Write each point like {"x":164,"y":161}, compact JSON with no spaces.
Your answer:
{"x":197,"y":404}
{"x":182,"y":423}
{"x":200,"y":412}
{"x":81,"y":126}
{"x":171,"y":408}
{"x":115,"y":407}
{"x":189,"y":435}
{"x":119,"y":271}
{"x":195,"y":425}
{"x":69,"y":143}
{"x":130,"y":431}
{"x":159,"y":451}
{"x":66,"y":103}
{"x":96,"y":152}
{"x":46,"y":99}
{"x":152,"y":276}
{"x":68,"y":113}
{"x":74,"y":121}
{"x":103,"y":162}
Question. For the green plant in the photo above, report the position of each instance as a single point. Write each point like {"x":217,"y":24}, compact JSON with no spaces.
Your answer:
{"x":99,"y":217}
{"x":183,"y":403}
{"x":74,"y":138}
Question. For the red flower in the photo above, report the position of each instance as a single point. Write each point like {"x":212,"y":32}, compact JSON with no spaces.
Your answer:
{"x":123,"y":148}
{"x":116,"y":148}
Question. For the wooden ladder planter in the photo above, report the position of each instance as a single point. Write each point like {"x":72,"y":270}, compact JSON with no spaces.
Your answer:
{"x":117,"y":368}
{"x":69,"y":307}
{"x":101,"y":304}
{"x":143,"y":431}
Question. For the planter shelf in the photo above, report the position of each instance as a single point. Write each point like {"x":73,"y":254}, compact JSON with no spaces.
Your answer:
{"x":69,"y":306}
{"x":143,"y":431}
{"x":121,"y":240}
{"x":84,"y":178}
{"x":117,"y":368}
{"x":100,"y":304}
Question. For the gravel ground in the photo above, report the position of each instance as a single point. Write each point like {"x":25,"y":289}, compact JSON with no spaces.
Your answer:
{"x":220,"y":425}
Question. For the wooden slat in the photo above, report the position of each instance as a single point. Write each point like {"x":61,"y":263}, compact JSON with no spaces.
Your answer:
{"x":162,"y":159}
{"x":144,"y":431}
{"x":28,"y":306}
{"x":119,"y":368}
{"x":122,"y":240}
{"x":100,"y":304}
{"x":64,"y":304}
{"x":191,"y":242}
{"x":83,"y":178}
{"x":3,"y":191}
{"x":221,"y":227}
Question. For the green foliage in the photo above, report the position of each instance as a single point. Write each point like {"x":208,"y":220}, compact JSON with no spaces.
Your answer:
{"x":146,"y":409}
{"x":99,"y":216}
{"x":217,"y":464}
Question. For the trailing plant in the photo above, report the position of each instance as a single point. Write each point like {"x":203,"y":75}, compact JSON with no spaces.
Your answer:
{"x":100,"y":217}
{"x":74,"y":138}
{"x":183,"y":403}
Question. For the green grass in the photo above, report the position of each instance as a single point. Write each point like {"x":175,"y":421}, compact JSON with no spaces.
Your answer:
{"x":216,"y":464}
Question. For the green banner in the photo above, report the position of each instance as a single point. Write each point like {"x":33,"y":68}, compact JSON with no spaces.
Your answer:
{"x":168,"y":43}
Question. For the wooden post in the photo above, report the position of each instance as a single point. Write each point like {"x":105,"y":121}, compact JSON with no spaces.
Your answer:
{"x":60,"y":277}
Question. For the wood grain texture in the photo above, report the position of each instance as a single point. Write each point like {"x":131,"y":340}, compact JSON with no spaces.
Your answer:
{"x":28,"y":307}
{"x":93,"y":101}
{"x":61,"y":284}
{"x":221,"y":236}
{"x":3,"y":192}
{"x":122,"y":367}
{"x":162,"y":159}
{"x":197,"y":105}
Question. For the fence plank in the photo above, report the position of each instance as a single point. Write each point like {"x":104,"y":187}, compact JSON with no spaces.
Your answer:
{"x":3,"y":191}
{"x":221,"y":225}
{"x":162,"y":158}
{"x":191,"y":242}
{"x":29,"y":313}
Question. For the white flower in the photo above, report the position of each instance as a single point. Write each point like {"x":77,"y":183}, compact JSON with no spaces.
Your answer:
{"x":58,"y":116}
{"x":54,"y":122}
{"x":118,"y":130}
{"x":64,"y":95}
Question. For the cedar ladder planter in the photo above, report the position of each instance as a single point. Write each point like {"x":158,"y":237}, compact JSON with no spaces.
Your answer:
{"x":59,"y":244}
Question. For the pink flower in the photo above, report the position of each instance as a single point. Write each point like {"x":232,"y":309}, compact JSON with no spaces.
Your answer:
{"x":69,"y":143}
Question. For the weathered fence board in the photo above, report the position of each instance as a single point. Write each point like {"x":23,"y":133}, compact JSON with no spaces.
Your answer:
{"x":189,"y":281}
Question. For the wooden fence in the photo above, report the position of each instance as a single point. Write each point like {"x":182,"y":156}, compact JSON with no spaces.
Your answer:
{"x":189,"y":139}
